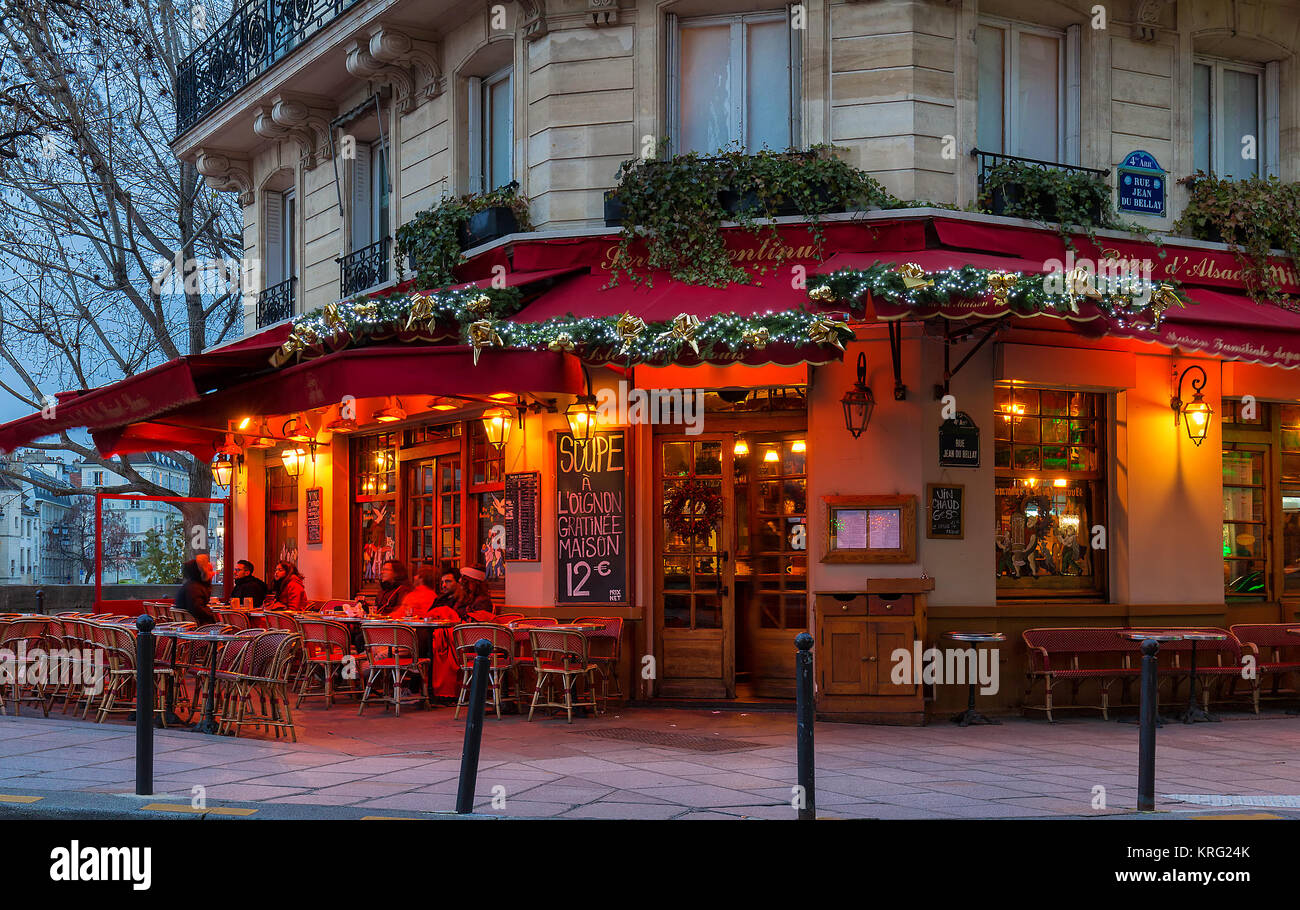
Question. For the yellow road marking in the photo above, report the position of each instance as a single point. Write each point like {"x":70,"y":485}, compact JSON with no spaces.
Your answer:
{"x":1253,"y":816}
{"x":8,"y":798}
{"x":387,"y":818}
{"x":212,"y":810}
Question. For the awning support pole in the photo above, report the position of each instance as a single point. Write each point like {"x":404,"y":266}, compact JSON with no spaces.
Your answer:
{"x":948,"y":338}
{"x":896,"y":352}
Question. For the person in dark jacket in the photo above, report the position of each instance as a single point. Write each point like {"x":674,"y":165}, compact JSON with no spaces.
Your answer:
{"x":475,"y":603}
{"x":247,"y":585}
{"x":394,"y":584}
{"x":195,"y":592}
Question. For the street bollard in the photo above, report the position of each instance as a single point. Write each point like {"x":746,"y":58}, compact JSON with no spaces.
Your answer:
{"x":473,"y":727}
{"x":40,"y":601}
{"x":804,"y":716}
{"x":144,"y":695}
{"x":1146,"y":801}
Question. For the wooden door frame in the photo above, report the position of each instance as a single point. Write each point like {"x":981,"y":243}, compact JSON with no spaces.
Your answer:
{"x":727,"y":603}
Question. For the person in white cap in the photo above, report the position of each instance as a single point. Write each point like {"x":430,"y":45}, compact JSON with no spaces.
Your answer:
{"x":474,"y":596}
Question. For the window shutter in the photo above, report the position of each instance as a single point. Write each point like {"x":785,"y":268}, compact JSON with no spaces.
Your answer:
{"x":272,"y":215}
{"x":1073,"y":95}
{"x":476,"y":127}
{"x":1272,"y":138}
{"x":361,"y":198}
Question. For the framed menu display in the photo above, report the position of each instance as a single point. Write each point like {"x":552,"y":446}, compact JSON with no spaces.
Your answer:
{"x":870,"y":529}
{"x":591,"y":518}
{"x":520,"y":501}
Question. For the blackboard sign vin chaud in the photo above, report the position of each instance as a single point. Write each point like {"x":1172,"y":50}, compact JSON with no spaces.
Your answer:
{"x":591,"y":518}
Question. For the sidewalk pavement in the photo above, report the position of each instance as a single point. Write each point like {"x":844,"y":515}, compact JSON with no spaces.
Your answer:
{"x":661,"y":763}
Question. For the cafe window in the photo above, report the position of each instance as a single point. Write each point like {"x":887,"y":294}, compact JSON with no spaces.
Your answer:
{"x":281,"y":516}
{"x":1050,"y":491}
{"x":433,"y":507}
{"x":374,"y":490}
{"x":1245,"y":494}
{"x":487,"y":503}
{"x":1261,"y":495}
{"x":734,"y":79}
{"x":1290,"y":483}
{"x":488,"y":460}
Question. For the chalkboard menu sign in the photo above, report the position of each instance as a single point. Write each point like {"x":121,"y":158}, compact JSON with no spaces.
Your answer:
{"x":313,"y":515}
{"x":945,"y":504}
{"x":591,"y":518}
{"x":521,"y":516}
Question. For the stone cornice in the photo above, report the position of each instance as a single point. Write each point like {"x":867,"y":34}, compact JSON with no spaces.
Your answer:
{"x":226,"y":174}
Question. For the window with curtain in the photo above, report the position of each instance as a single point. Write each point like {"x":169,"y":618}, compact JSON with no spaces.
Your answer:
{"x":370,"y":191}
{"x":1228,"y":119}
{"x":734,"y":79}
{"x":491,"y":130}
{"x":1021,"y":90}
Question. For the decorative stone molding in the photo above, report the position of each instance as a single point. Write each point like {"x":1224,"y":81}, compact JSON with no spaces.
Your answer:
{"x":534,"y":23}
{"x":362,"y":64}
{"x":226,"y":174}
{"x":264,"y":125}
{"x":1146,"y":16}
{"x":396,"y":48}
{"x":304,"y":118}
{"x":602,"y":12}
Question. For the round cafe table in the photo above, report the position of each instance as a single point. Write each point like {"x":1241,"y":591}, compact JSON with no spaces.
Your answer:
{"x":1157,"y":636}
{"x":970,"y":715}
{"x":1194,"y":713}
{"x":209,"y":722}
{"x":169,"y":713}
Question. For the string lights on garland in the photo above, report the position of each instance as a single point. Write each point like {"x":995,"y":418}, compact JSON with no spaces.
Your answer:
{"x":1130,"y":300}
{"x":478,"y":318}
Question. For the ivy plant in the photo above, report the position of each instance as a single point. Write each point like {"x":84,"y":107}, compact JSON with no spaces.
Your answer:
{"x":1077,"y":199}
{"x":675,"y":206}
{"x":1253,"y":216}
{"x":432,"y":238}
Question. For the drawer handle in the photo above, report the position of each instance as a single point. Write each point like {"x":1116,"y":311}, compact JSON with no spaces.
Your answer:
{"x":871,"y":658}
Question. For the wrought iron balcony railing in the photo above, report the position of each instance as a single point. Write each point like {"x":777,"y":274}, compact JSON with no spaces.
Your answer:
{"x":258,"y":34}
{"x":363,"y":269}
{"x":989,"y":160}
{"x":276,"y":303}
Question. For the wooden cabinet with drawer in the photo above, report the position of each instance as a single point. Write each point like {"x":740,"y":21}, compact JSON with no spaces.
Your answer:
{"x":857,"y":632}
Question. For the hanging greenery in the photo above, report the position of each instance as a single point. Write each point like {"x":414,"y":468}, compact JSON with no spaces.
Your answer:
{"x":1069,"y":198}
{"x":675,"y":205}
{"x":478,"y":318}
{"x":1253,"y":216}
{"x":1130,"y":301}
{"x":432,"y":239}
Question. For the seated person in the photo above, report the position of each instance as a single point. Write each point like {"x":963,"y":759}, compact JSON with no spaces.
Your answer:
{"x":394,"y":585}
{"x":448,"y":588}
{"x":287,"y":590}
{"x":247,"y":585}
{"x":475,"y":602}
{"x":196,"y":590}
{"x":421,"y":598}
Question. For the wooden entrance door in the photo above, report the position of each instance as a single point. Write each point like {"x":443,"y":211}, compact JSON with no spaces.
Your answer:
{"x":695,"y":620}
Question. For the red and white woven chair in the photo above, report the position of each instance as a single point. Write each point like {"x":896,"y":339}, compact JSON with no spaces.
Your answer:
{"x":393,"y":652}
{"x":561,"y":655}
{"x":502,"y":660}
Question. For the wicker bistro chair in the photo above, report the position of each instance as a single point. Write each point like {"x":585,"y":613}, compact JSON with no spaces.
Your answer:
{"x":1276,"y":652}
{"x":119,"y":691}
{"x":22,"y":637}
{"x":268,"y":674}
{"x":327,"y":648}
{"x":464,"y":637}
{"x":236,"y":619}
{"x":524,"y":675}
{"x":79,"y":658}
{"x":605,"y":648}
{"x":562,"y":654}
{"x":393,"y":650}
{"x":277,"y":619}
{"x":231,"y":662}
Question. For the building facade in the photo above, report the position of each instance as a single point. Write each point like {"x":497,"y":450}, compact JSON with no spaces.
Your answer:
{"x":1028,"y":469}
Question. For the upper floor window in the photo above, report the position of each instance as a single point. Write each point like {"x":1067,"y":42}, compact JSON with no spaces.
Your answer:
{"x":370,"y":191}
{"x":1024,"y":92}
{"x":491,"y":130}
{"x":281,"y":239}
{"x":1233,"y":135}
{"x":734,"y":79}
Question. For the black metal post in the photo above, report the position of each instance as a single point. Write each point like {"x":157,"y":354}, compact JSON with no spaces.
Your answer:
{"x":473,"y":727}
{"x":1146,"y":801}
{"x":804,"y":716}
{"x":144,"y":645}
{"x":40,"y":600}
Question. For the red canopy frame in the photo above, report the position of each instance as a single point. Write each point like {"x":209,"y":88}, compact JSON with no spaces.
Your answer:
{"x":227,"y":548}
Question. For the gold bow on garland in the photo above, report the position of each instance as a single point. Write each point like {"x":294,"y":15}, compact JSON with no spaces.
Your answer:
{"x":561,"y":342}
{"x":914,"y":276}
{"x":629,"y":329}
{"x":823,"y":331}
{"x":684,"y":328}
{"x":1001,"y":284}
{"x":822,"y":293}
{"x":421,"y":311}
{"x":333,"y":319}
{"x":1078,"y":283}
{"x":756,"y":338}
{"x":483,"y":334}
{"x":1163,"y":296}
{"x":480,"y":306}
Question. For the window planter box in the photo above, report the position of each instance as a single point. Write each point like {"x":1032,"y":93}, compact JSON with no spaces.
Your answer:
{"x":735,"y":201}
{"x":1010,"y":199}
{"x":488,"y":225}
{"x":615,"y":214}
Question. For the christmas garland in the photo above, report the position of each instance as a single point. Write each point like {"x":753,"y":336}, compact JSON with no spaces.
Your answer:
{"x":1128,"y":300}
{"x":693,"y":510}
{"x":476,"y":318}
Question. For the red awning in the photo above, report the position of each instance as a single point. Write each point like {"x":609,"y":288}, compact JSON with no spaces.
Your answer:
{"x":1227,"y":326}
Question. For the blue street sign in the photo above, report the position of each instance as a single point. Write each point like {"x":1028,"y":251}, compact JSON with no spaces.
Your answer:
{"x":1141,"y":183}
